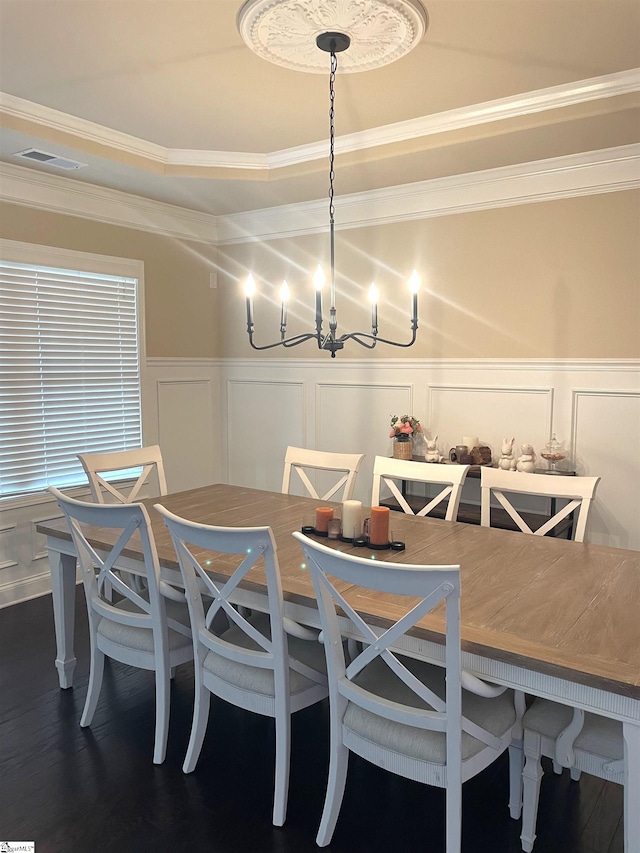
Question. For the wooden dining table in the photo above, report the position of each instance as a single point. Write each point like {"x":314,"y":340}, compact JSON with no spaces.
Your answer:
{"x":554,"y":618}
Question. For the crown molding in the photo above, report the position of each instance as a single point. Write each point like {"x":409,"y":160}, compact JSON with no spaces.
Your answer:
{"x":540,"y":100}
{"x":42,"y":191}
{"x":592,"y":172}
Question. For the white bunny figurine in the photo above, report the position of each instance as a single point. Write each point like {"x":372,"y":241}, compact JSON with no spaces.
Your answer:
{"x":432,"y":454}
{"x":527,"y":462}
{"x":507,"y":461}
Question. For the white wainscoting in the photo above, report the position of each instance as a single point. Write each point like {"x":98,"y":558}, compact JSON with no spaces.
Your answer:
{"x":231,"y":421}
{"x":606,"y":438}
{"x":181,"y":412}
{"x":346,"y":406}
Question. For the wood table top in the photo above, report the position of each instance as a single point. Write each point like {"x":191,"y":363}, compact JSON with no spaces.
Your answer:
{"x":563,"y":608}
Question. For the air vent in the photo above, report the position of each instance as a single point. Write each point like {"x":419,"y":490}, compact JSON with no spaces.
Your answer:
{"x":49,"y":159}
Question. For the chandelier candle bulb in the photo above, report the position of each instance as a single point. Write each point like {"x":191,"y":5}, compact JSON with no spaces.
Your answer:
{"x":351,"y":519}
{"x":373,"y":299}
{"x":323,"y":514}
{"x":318,"y":281}
{"x":379,"y":525}
{"x":284,"y":296}
{"x":249,"y":291}
{"x":414,"y":287}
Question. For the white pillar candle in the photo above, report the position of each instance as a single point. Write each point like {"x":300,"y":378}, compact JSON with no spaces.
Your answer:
{"x":471,"y":441}
{"x":351,"y":519}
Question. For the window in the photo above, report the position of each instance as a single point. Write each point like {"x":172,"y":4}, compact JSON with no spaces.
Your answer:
{"x":70,"y":343}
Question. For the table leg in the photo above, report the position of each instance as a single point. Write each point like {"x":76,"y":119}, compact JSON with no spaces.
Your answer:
{"x":632,"y":787}
{"x":63,"y":589}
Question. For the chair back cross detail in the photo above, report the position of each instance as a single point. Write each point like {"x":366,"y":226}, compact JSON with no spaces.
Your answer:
{"x":147,"y":458}
{"x":579,"y":492}
{"x":303,"y":461}
{"x":388,"y":471}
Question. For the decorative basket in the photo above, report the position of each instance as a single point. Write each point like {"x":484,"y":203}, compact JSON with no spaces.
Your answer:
{"x":402,"y":449}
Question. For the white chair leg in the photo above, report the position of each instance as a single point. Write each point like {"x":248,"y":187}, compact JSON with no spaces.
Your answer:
{"x":202,"y":700}
{"x":531,"y":776}
{"x":557,"y":768}
{"x":631,"y":811}
{"x":172,"y":672}
{"x":516,"y":762}
{"x":162,"y":715}
{"x":575,"y":774}
{"x":95,"y":683}
{"x":454,"y":818}
{"x":338,"y":764}
{"x":283,"y":750}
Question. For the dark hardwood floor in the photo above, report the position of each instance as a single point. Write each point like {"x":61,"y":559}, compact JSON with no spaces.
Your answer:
{"x":74,"y":790}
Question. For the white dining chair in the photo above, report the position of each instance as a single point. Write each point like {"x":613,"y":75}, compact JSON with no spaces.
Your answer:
{"x":579,"y":493}
{"x":571,"y":738}
{"x":141,"y":628}
{"x":302,"y":461}
{"x":151,"y":477}
{"x":388,"y":471}
{"x":434,"y":724}
{"x":253,"y":664}
{"x":122,"y":462}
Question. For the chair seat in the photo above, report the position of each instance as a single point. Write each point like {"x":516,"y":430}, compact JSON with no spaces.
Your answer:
{"x":141,"y":639}
{"x":600,"y":736}
{"x":496,"y":715}
{"x":257,"y":679}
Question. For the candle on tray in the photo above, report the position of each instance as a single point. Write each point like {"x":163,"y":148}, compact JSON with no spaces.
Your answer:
{"x":471,"y":441}
{"x":379,"y":526}
{"x":351,"y":519}
{"x":323,"y":514}
{"x":333,"y":528}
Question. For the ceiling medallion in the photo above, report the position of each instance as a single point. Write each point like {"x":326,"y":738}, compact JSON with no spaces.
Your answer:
{"x":284,"y":31}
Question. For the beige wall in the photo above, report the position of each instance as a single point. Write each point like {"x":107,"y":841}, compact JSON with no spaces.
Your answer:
{"x":180,"y":307}
{"x":557,"y":279}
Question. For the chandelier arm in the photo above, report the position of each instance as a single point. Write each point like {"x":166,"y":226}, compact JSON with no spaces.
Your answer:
{"x":287,"y":342}
{"x":300,"y":339}
{"x":356,"y":336}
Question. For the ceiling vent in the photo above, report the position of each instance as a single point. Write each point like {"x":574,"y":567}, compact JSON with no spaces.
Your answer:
{"x":49,"y":159}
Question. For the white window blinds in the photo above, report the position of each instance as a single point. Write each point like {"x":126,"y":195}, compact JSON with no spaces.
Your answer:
{"x":70,"y":372}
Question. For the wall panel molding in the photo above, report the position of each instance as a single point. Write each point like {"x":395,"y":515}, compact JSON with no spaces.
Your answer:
{"x":6,"y":548}
{"x":605,"y":432}
{"x":523,"y":412}
{"x":262,"y":417}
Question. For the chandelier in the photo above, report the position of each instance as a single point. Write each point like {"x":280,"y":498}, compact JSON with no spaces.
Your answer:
{"x":261,"y":24}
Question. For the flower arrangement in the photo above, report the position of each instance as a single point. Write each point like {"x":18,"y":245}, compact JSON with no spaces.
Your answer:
{"x":402,"y":428}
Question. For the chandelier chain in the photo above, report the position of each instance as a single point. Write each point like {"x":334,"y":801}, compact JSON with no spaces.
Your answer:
{"x":332,"y":133}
